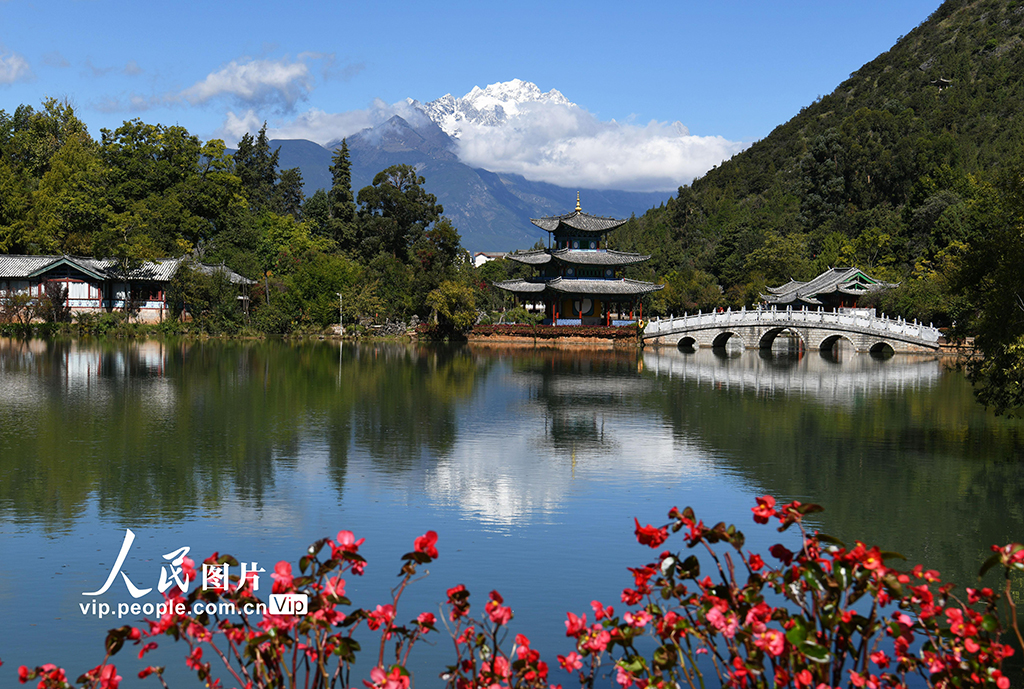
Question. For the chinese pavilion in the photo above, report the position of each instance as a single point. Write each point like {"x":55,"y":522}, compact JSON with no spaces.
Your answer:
{"x":578,"y":277}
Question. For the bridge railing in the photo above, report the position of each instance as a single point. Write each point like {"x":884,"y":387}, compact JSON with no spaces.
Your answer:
{"x":789,"y":317}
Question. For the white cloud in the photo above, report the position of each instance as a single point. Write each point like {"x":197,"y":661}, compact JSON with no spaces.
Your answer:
{"x":279,"y":83}
{"x":560,"y":144}
{"x":14,"y":67}
{"x":567,"y":145}
{"x":317,"y":125}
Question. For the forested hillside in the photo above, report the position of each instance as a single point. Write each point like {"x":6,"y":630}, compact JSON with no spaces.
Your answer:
{"x":899,"y":171}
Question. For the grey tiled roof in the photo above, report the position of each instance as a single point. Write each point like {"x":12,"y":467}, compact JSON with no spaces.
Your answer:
{"x":579,"y":221}
{"x":524,"y":286}
{"x":234,"y":277}
{"x":842,"y":280}
{"x":621,"y":287}
{"x":14,"y":267}
{"x":600,"y":257}
{"x":537,"y":257}
{"x":604,"y":257}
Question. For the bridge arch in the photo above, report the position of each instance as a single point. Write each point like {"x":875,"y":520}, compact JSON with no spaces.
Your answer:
{"x":769,"y":336}
{"x":687,"y":343}
{"x":831,"y":341}
{"x":722,"y":338}
{"x":882,"y":348}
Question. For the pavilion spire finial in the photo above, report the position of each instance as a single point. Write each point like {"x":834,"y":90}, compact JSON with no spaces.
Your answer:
{"x":578,"y":209}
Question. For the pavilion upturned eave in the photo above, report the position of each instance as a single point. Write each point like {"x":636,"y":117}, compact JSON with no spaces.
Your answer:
{"x":578,"y":222}
{"x":583,"y":257}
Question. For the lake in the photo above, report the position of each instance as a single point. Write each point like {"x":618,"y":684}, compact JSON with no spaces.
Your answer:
{"x":529,"y":463}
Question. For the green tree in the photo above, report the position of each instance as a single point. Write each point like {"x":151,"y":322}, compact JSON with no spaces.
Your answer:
{"x":316,"y":211}
{"x":343,"y":205}
{"x":288,"y":193}
{"x":990,"y":284}
{"x":395,"y":212}
{"x":454,"y":305}
{"x":437,"y":257}
{"x":209,"y":299}
{"x":182,"y":192}
{"x":68,"y":206}
{"x":317,"y":283}
{"x":256,"y":166}
{"x":29,"y":138}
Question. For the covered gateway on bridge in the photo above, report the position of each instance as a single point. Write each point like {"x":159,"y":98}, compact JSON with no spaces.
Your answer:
{"x":834,"y":289}
{"x":578,"y":279}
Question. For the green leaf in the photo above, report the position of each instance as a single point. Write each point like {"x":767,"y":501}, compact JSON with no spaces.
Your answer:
{"x":690,"y":567}
{"x":831,"y":540}
{"x":798,"y":632}
{"x":665,"y":657}
{"x":813,"y":651}
{"x":842,"y":575}
{"x":115,"y":640}
{"x":988,"y":564}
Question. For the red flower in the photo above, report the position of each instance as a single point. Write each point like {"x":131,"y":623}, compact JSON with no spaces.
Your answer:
{"x":426,"y":620}
{"x":574,"y":626}
{"x":781,"y":552}
{"x":499,"y":614}
{"x":573,"y":661}
{"x":381,"y":616}
{"x":334,"y":586}
{"x":425,"y":544}
{"x":597,"y":640}
{"x":599,"y":612}
{"x":195,"y":659}
{"x":146,"y":649}
{"x":880,"y":659}
{"x":756,"y":563}
{"x":390,"y":680}
{"x":282,"y":577}
{"x":347,"y":543}
{"x":458,"y":598}
{"x":649,"y":535}
{"x":765,"y":509}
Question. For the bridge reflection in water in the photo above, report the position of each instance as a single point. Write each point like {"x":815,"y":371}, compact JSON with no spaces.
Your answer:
{"x":818,"y":375}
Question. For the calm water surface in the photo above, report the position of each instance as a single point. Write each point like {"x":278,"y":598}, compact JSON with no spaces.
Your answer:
{"x":530,"y":464}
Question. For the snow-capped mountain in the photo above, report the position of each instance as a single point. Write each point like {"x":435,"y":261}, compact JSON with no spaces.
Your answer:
{"x":494,"y":106}
{"x":491,"y":210}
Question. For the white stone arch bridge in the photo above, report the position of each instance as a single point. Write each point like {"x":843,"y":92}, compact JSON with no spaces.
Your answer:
{"x":817,"y":330}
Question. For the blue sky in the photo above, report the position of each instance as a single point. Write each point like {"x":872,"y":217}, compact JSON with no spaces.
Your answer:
{"x":729,"y":71}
